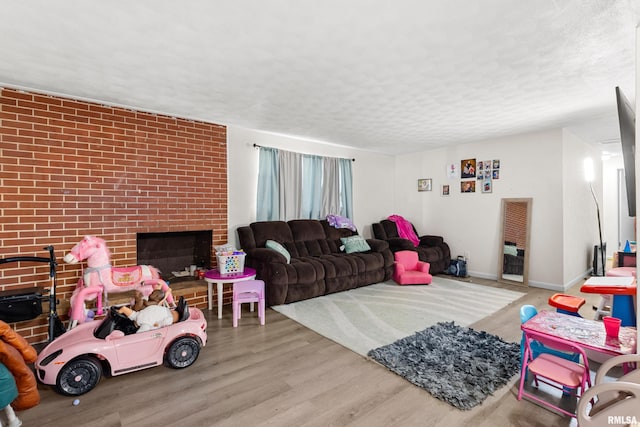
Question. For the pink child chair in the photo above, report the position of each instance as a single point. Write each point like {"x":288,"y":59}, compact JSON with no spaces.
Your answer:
{"x":552,"y":370}
{"x":409,"y":270}
{"x":248,"y":291}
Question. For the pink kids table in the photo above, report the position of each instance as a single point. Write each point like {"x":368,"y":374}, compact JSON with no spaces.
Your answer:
{"x":214,"y":276}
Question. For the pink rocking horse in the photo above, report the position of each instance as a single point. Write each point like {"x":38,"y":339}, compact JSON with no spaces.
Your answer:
{"x":101,"y":278}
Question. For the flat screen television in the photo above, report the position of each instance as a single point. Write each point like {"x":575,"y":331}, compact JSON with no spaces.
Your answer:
{"x":627,"y":120}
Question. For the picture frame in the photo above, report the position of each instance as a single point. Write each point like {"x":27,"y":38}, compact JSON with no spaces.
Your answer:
{"x":446,"y":190}
{"x":452,"y":171}
{"x":487,"y":185}
{"x":424,"y":184}
{"x":468,"y":168}
{"x":468,"y":186}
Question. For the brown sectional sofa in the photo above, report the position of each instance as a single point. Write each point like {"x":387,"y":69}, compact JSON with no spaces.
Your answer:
{"x":318,"y":266}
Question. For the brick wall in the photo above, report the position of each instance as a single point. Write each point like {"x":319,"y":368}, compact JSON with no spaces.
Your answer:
{"x":515,"y":228}
{"x":71,"y":168}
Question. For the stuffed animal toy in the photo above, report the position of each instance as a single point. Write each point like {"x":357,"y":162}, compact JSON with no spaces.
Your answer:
{"x":151,"y":313}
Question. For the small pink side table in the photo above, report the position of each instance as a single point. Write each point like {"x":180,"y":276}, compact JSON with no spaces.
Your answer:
{"x":214,"y":276}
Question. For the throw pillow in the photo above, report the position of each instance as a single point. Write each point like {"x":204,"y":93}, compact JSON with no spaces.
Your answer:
{"x":510,"y":250}
{"x":355,"y":244}
{"x":272,"y":244}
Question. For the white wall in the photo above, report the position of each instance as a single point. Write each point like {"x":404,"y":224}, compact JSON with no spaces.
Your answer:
{"x":580,"y":216}
{"x":373,"y":176}
{"x":531,"y":166}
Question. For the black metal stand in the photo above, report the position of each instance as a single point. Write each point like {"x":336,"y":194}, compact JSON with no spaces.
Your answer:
{"x":56,"y":328}
{"x":602,"y":248}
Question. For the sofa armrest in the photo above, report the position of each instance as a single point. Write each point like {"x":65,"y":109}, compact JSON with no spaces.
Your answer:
{"x":378,"y":245}
{"x":430,"y":241}
{"x":423,"y":266}
{"x":399,"y":268}
{"x":265,"y":255}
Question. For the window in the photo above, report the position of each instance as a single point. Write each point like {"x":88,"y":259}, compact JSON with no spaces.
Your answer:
{"x":293,"y":185}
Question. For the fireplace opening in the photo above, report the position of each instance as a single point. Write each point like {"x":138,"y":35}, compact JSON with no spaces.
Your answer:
{"x":175,"y":252}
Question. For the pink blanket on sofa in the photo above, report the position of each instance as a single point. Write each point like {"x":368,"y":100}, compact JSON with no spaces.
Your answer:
{"x":405,"y":229}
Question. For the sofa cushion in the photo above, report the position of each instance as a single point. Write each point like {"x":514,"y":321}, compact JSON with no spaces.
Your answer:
{"x":306,"y":229}
{"x":309,"y":237}
{"x":278,"y":231}
{"x":341,"y":272}
{"x":272,"y":244}
{"x":355,"y":244}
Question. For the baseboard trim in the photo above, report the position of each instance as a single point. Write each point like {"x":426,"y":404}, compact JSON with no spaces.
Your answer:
{"x":536,"y":284}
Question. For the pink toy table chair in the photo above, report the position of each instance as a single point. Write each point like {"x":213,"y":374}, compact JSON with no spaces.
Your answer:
{"x":408,"y":270}
{"x":557,"y":372}
{"x":248,"y":291}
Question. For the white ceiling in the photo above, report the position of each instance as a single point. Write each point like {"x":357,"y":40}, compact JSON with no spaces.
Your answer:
{"x":389,"y":76}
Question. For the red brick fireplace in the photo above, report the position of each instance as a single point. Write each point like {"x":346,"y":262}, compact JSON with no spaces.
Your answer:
{"x":71,"y":168}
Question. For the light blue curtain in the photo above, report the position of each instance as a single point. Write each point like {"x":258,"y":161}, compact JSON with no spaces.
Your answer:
{"x":293,"y":185}
{"x":268,"y":206}
{"x":346,"y":187}
{"x":312,"y":187}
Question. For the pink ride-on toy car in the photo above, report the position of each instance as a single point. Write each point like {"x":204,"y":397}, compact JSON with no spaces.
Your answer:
{"x":75,"y":361}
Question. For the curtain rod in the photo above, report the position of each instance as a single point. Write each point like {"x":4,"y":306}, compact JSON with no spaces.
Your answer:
{"x":262,"y":146}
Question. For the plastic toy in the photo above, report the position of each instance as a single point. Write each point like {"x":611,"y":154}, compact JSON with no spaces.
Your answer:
{"x":75,"y":361}
{"x":101,"y":278}
{"x":152,"y":313}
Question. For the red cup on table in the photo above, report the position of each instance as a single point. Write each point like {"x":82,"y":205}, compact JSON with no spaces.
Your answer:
{"x":611,"y":325}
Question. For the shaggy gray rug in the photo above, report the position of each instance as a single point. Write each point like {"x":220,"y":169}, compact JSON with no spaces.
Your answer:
{"x":458,"y":365}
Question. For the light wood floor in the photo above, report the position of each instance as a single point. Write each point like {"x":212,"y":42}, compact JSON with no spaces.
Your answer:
{"x":283,"y":374}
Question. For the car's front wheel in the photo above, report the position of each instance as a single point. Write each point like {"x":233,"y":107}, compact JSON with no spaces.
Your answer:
{"x":182,"y":352}
{"x":79,"y":376}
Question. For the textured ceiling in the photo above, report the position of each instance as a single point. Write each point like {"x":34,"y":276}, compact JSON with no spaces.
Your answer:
{"x":392,"y":77}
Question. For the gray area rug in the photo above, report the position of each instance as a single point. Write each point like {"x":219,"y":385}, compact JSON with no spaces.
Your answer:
{"x":455,"y":364}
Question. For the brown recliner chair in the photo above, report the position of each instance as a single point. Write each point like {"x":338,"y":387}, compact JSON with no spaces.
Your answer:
{"x":431,"y":249}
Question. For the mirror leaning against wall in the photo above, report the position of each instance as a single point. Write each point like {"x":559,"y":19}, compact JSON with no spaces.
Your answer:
{"x":515,"y":241}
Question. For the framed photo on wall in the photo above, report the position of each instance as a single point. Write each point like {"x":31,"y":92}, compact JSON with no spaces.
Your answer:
{"x":468,"y":168}
{"x":487,"y":185}
{"x":467,"y":186}
{"x":445,"y":190}
{"x":424,"y":184}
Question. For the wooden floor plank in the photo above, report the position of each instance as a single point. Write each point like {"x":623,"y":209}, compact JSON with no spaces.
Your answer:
{"x":283,"y":374}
